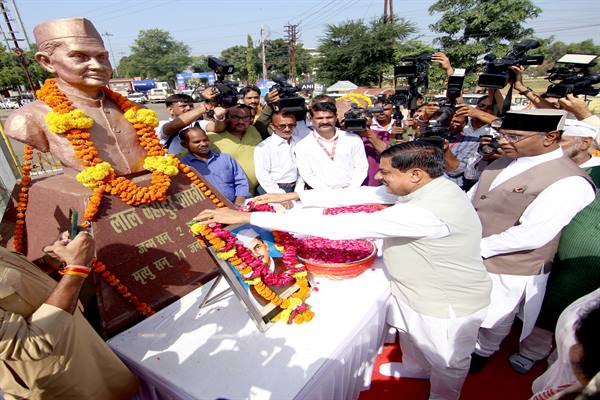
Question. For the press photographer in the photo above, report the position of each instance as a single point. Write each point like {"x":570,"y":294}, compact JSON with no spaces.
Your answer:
{"x":183,"y":115}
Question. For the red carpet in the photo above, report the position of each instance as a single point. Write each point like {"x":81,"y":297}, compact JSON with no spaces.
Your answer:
{"x":497,"y":381}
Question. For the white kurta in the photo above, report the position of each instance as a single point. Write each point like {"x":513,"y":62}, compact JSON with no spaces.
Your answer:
{"x":274,"y":162}
{"x":541,"y":221}
{"x":347,"y":169}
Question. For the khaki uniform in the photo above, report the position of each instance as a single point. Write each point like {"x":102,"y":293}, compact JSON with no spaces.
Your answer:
{"x":47,"y":353}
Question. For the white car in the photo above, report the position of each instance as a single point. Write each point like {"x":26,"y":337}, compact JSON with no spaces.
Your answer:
{"x":159,"y":95}
{"x":138,"y":97}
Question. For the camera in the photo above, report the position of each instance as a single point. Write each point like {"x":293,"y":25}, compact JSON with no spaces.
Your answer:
{"x":415,"y":71}
{"x":574,"y":76}
{"x":289,"y":101}
{"x":497,"y":74}
{"x":227,"y":91}
{"x":438,"y":128}
{"x":492,"y":147}
{"x":355,"y":119}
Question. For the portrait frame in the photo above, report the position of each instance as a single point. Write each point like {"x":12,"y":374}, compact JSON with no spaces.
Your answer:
{"x":261,"y":315}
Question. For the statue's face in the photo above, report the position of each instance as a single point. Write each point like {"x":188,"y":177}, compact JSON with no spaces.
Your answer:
{"x":81,"y":63}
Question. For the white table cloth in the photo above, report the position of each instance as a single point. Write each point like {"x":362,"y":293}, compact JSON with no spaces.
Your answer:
{"x":218,"y":353}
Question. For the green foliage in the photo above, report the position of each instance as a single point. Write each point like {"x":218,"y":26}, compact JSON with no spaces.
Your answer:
{"x":155,"y":55}
{"x":199,"y":64}
{"x":361,"y":52}
{"x":276,"y":54}
{"x":250,"y":61}
{"x":11,"y":72}
{"x":470,"y":28}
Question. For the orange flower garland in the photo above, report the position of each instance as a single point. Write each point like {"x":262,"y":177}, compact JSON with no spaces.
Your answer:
{"x":125,"y":189}
{"x":100,"y":268}
{"x":23,"y":199}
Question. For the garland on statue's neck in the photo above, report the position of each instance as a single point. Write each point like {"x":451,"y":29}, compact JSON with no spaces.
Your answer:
{"x":99,"y":175}
{"x":255,"y":273}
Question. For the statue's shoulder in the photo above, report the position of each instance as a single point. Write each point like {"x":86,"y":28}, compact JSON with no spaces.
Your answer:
{"x":27,"y":121}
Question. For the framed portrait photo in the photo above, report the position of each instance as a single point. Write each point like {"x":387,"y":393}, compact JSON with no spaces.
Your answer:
{"x":260,"y":243}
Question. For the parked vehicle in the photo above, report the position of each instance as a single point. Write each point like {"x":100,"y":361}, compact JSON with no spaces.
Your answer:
{"x":138,"y":97}
{"x":159,"y":95}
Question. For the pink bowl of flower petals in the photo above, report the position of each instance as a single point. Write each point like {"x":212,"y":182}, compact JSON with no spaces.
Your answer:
{"x":336,"y":259}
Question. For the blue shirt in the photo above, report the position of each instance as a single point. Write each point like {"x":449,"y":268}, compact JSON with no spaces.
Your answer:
{"x":223,"y":172}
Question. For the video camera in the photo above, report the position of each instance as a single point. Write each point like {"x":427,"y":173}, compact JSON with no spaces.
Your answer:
{"x":289,"y":101}
{"x":227,"y":91}
{"x":355,"y":119}
{"x":497,"y":75}
{"x":438,"y":128}
{"x":415,"y":71}
{"x":574,"y":76}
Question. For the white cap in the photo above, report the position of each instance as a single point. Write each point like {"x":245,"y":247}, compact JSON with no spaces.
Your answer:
{"x":246,"y":236}
{"x":574,"y":127}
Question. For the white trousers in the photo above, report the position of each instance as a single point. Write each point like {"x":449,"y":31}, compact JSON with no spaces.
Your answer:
{"x":438,"y":347}
{"x":510,"y":294}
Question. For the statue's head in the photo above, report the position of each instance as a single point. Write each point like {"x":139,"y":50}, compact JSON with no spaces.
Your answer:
{"x":73,"y":50}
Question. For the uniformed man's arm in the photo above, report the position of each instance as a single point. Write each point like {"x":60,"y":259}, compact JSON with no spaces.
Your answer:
{"x":36,"y":337}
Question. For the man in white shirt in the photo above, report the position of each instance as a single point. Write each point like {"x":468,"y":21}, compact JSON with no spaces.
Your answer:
{"x":183,"y":115}
{"x":524,"y":200}
{"x":431,"y":254}
{"x":274,"y":161}
{"x":329,"y":157}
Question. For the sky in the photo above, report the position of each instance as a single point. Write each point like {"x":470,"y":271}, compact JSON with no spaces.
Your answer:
{"x":211,"y":26}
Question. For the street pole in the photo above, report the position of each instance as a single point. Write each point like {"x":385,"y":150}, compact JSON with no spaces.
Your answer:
{"x":264,"y":59}
{"x":107,"y":35}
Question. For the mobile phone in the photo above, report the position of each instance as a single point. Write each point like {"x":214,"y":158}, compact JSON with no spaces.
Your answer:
{"x":73,"y":228}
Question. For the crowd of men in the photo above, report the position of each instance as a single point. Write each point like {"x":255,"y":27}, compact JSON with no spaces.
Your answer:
{"x":527,"y":224}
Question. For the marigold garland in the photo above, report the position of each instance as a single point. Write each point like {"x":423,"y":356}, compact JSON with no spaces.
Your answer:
{"x":99,"y":175}
{"x":256,"y":274}
{"x":21,"y":208}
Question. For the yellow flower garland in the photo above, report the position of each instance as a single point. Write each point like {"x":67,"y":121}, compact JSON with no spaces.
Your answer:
{"x":167,"y":165}
{"x":92,"y":176}
{"x":62,"y":122}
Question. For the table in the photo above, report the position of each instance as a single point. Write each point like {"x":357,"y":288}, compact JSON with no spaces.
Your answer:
{"x":219,"y":353}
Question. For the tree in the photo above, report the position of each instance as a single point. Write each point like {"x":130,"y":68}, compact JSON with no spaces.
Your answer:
{"x":155,"y":55}
{"x":361,"y":52}
{"x":470,"y":28}
{"x":250,"y":61}
{"x":236,"y":55}
{"x":276,"y":54}
{"x":199,"y":64}
{"x":11,"y":72}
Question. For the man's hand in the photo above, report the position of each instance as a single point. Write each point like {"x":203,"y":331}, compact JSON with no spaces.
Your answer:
{"x":209,"y":93}
{"x":275,"y":198}
{"x":220,"y":113}
{"x":518,"y":83}
{"x":486,"y":139}
{"x":429,"y":110}
{"x":78,"y":251}
{"x":465,"y":110}
{"x":444,"y":62}
{"x":223,"y":216}
{"x":575,"y":106}
{"x":272,"y":97}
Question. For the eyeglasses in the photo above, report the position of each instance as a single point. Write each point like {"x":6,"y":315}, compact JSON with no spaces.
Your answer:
{"x":285,"y":126}
{"x":511,"y":138}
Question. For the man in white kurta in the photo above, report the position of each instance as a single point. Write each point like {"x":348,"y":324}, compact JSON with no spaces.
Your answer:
{"x":329,"y":158}
{"x":274,"y":160}
{"x":431,"y":254}
{"x":536,"y":177}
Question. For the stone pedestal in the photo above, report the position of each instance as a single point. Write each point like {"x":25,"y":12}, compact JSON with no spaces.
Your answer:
{"x":148,"y":248}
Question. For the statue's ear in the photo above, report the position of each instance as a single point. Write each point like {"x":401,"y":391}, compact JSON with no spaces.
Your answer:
{"x":43,"y":59}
